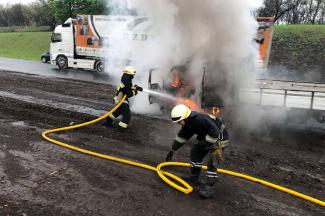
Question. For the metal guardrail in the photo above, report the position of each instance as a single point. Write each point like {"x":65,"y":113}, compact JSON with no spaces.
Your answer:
{"x":285,"y":94}
{"x":290,"y":85}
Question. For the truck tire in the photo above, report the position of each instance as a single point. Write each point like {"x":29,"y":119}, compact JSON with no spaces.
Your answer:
{"x":62,"y":62}
{"x":99,"y":66}
{"x":43,"y":59}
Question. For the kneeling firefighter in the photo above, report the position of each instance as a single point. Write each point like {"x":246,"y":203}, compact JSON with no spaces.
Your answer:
{"x":125,"y":87}
{"x":212,"y":138}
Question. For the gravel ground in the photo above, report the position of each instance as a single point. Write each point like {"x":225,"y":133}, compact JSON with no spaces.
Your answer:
{"x":40,"y":178}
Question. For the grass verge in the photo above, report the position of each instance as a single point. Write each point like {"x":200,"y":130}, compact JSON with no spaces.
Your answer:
{"x":24,"y":45}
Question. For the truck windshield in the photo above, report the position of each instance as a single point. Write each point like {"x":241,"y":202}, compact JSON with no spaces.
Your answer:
{"x":56,"y":37}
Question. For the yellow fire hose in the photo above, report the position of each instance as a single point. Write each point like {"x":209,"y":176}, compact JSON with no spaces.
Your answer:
{"x":185,"y":188}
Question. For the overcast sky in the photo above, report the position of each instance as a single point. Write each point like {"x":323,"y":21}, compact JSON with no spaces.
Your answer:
{"x":4,"y":2}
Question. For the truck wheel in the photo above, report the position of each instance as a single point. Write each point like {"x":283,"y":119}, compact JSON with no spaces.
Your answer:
{"x":43,"y":59}
{"x":99,"y":66}
{"x":62,"y":62}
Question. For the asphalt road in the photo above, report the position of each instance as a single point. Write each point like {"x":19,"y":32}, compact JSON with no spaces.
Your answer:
{"x":34,"y":67}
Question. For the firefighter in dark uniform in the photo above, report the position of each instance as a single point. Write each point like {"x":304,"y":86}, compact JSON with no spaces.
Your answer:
{"x":125,"y":87}
{"x":212,"y":138}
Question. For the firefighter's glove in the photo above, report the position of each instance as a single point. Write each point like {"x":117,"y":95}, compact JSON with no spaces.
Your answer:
{"x":218,"y":152}
{"x":134,"y":90}
{"x":138,"y":88}
{"x":169,"y":156}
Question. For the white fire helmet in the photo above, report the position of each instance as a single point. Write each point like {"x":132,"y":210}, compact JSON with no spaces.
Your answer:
{"x":129,"y":70}
{"x":180,"y":112}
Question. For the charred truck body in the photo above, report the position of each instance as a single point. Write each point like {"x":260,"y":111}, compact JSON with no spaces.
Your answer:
{"x":299,"y":98}
{"x":210,"y":95}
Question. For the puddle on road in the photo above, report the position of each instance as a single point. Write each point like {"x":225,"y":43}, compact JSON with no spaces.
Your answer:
{"x":19,"y":124}
{"x":48,"y":70}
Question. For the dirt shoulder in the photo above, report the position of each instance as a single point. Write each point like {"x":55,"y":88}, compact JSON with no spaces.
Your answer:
{"x":40,"y":178}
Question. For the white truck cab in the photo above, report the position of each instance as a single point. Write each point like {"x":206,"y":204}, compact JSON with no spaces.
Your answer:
{"x":79,"y":43}
{"x":63,"y":49}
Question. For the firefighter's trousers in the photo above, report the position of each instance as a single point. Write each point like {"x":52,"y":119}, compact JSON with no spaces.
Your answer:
{"x":198,"y":152}
{"x":123,"y":110}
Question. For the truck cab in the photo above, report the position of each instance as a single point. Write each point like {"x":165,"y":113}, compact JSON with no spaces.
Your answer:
{"x":62,"y":45}
{"x":85,"y":41}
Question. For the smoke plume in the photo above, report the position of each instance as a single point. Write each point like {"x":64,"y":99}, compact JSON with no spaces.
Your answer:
{"x":212,"y":34}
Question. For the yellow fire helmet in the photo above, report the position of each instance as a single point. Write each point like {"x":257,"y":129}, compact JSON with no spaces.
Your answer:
{"x":180,"y":112}
{"x":129,"y":70}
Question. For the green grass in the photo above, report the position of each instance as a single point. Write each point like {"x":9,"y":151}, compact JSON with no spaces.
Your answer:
{"x":299,"y":46}
{"x":24,"y":45}
{"x":318,"y":30}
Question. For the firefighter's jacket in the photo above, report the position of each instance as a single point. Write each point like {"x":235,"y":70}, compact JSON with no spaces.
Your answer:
{"x":125,"y":87}
{"x":200,"y":124}
{"x":224,"y":135}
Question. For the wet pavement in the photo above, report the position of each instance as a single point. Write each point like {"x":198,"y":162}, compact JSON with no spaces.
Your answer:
{"x":39,"y":68}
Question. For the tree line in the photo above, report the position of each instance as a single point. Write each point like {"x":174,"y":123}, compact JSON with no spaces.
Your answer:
{"x":48,"y":12}
{"x":53,"y":12}
{"x":295,"y":11}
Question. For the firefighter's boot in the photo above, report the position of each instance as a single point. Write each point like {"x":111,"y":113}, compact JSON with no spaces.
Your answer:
{"x":192,"y":179}
{"x":108,"y":122}
{"x":206,"y":191}
{"x":122,"y":127}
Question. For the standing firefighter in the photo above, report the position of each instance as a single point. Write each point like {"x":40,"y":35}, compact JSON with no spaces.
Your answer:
{"x":212,"y":138}
{"x":125,"y":87}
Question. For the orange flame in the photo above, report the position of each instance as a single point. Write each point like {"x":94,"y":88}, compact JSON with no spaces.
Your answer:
{"x":191,"y":104}
{"x":177,"y":81}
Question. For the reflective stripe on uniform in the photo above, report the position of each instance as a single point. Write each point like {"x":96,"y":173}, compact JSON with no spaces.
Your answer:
{"x":119,"y":97}
{"x":122,"y":124}
{"x":180,"y":139}
{"x":196,"y":164}
{"x":212,"y":116}
{"x":211,"y":139}
{"x":112,"y":117}
{"x":210,"y":174}
{"x":134,"y":90}
{"x":119,"y":86}
{"x":222,"y":127}
{"x":224,"y":143}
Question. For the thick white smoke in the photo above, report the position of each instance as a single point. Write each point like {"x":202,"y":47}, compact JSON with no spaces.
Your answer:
{"x":216,"y":34}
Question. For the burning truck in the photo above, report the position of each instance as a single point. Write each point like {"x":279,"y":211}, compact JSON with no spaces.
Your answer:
{"x":84,"y":42}
{"x":180,"y":83}
{"x":209,"y":96}
{"x":300,"y":100}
